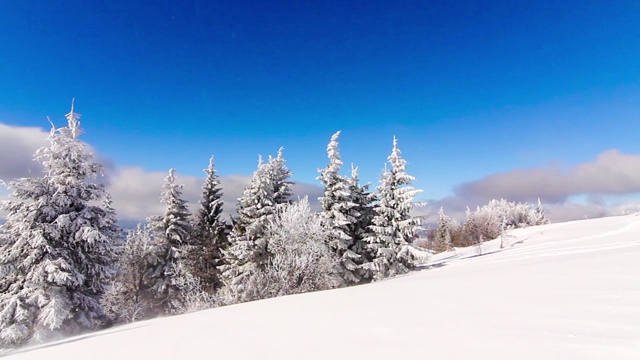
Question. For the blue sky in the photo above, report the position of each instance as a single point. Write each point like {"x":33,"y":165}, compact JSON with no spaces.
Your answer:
{"x":471,"y":88}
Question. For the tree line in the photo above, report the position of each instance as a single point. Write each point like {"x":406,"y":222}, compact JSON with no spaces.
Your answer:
{"x":66,"y":268}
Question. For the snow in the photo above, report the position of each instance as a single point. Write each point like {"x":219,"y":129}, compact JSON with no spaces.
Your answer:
{"x":558,"y":291}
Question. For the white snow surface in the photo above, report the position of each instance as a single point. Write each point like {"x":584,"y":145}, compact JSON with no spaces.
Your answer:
{"x":558,"y":291}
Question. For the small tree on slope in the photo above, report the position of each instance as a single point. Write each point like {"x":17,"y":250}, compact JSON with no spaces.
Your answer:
{"x":443,"y":235}
{"x":205,"y":254}
{"x":57,"y":246}
{"x":172,"y":233}
{"x":393,"y":227}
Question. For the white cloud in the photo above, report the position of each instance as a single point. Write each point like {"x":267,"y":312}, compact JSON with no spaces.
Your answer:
{"x":17,"y":147}
{"x":606,"y":186}
{"x":610,"y":173}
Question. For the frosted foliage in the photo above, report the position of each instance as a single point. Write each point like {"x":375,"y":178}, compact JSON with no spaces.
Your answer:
{"x":57,"y":246}
{"x":393,"y":227}
{"x":298,"y":260}
{"x":127,"y":298}
{"x":489,"y":221}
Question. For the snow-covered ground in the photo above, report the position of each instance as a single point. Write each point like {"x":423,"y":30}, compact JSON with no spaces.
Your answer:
{"x":559,"y":291}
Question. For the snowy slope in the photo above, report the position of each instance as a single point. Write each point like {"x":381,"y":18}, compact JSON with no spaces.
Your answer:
{"x":559,"y":291}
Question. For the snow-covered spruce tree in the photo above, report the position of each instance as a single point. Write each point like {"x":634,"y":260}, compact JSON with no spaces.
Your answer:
{"x":298,"y":259}
{"x":394,"y":228}
{"x":57,"y":245}
{"x":339,"y":214}
{"x":204,"y":256}
{"x":363,"y":212}
{"x":128,"y":299}
{"x":280,"y":174}
{"x":172,"y":232}
{"x":247,"y":252}
{"x":442,"y":240}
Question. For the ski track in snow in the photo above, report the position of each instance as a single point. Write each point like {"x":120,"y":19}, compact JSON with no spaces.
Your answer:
{"x":558,"y":291}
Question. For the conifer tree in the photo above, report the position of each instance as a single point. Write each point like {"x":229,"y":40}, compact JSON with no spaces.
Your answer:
{"x":347,"y":213}
{"x":128,"y":299}
{"x":393,"y":227}
{"x":57,"y":245}
{"x":359,"y":230}
{"x":269,"y":187}
{"x":209,"y":238}
{"x":172,"y":232}
{"x":339,"y":213}
{"x":247,"y":253}
{"x":279,"y":175}
{"x":443,"y":235}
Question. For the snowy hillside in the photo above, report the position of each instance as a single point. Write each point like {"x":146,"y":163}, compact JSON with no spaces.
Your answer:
{"x":559,"y":291}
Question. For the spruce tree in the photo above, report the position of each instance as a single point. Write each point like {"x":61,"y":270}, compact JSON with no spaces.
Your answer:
{"x":359,"y":230}
{"x":342,"y":214}
{"x":393,"y":226}
{"x":57,"y":245}
{"x":172,"y":232}
{"x":205,"y":256}
{"x":279,"y":175}
{"x":443,"y":236}
{"x":247,"y":253}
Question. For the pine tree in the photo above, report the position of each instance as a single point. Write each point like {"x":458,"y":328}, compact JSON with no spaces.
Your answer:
{"x":57,"y":245}
{"x":172,"y":233}
{"x":205,"y":254}
{"x":443,"y":235}
{"x":393,"y":227}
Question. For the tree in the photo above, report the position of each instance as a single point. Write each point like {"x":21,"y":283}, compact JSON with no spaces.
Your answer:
{"x":57,"y":245}
{"x":172,"y":233}
{"x":128,"y":298}
{"x":246,"y":252}
{"x":298,"y":259}
{"x":443,"y":235}
{"x":268,"y":188}
{"x":393,"y":226}
{"x":209,"y":238}
{"x":539,"y":216}
{"x":339,"y":213}
{"x":279,"y":175}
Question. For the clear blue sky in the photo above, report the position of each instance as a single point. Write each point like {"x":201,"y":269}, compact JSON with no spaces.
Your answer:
{"x":470,"y":88}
